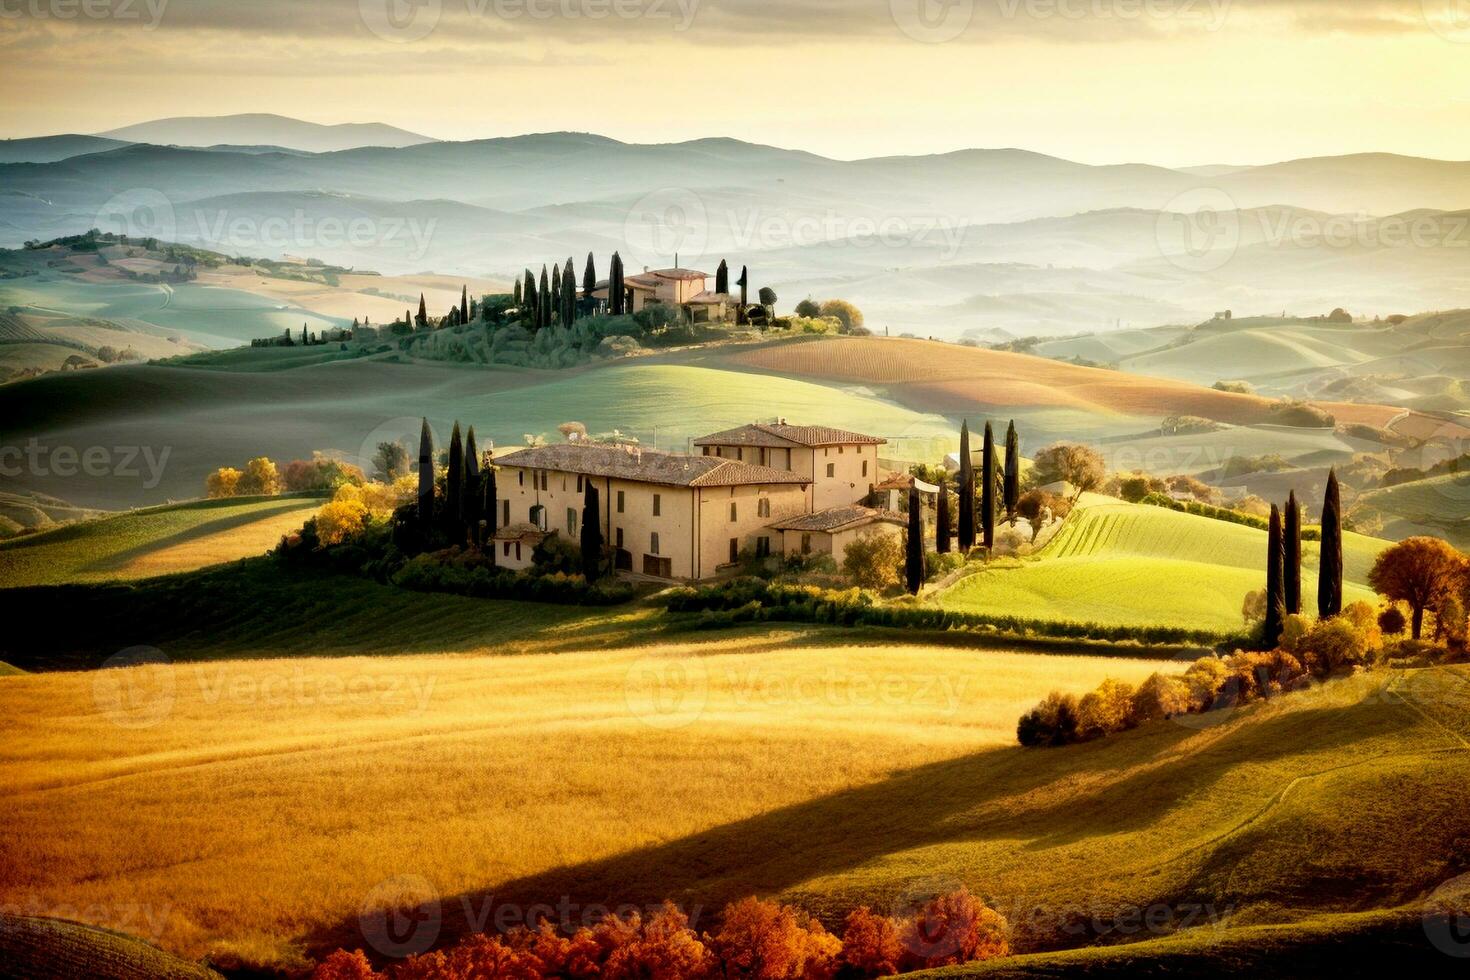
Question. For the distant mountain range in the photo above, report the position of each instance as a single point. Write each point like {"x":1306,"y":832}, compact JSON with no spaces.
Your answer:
{"x":263,"y":129}
{"x":939,"y":245}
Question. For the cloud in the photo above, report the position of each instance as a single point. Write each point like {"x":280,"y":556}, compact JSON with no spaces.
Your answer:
{"x":466,"y":23}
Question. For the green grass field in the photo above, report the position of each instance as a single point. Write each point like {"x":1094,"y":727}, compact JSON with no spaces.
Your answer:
{"x":210,"y":315}
{"x":1439,"y":506}
{"x":151,"y":542}
{"x":1133,"y":565}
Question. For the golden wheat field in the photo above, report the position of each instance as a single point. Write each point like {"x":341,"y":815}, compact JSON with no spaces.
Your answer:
{"x":251,"y":808}
{"x":945,"y":378}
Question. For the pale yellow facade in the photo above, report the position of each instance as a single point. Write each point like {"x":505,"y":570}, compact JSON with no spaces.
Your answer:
{"x":673,"y":532}
{"x":840,"y":474}
{"x":834,"y":543}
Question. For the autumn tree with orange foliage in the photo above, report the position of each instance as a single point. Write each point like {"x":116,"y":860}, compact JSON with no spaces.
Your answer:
{"x":757,"y":940}
{"x":871,"y":944}
{"x":766,"y":941}
{"x":953,"y":928}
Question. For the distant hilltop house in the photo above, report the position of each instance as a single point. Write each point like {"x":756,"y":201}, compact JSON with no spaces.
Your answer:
{"x":763,"y":489}
{"x":684,"y":289}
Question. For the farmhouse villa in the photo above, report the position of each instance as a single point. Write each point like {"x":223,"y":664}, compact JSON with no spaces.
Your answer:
{"x":684,"y":289}
{"x":763,"y":488}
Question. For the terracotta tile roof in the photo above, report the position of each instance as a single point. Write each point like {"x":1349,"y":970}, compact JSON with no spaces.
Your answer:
{"x":685,"y":274}
{"x":647,"y":466}
{"x":520,"y":532}
{"x":780,"y":434}
{"x":836,"y":519}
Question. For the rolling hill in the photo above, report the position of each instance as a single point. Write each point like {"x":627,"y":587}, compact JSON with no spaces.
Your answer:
{"x":1135,"y":565}
{"x":156,"y":541}
{"x":40,"y":948}
{"x":1251,"y":819}
{"x":264,"y":129}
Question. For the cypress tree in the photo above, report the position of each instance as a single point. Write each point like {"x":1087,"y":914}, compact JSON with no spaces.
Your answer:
{"x":517,"y":295}
{"x":426,"y":476}
{"x":967,"y":492}
{"x":543,"y":306}
{"x":591,"y":533}
{"x":1292,"y":583}
{"x":1329,"y":579}
{"x":568,"y":295}
{"x":454,"y":486}
{"x":528,"y":315}
{"x":914,"y":556}
{"x":556,"y":286}
{"x":744,"y":285}
{"x":469,"y":501}
{"x":464,"y":304}
{"x":987,"y":489}
{"x":1013,"y":473}
{"x":615,"y":295}
{"x":589,"y":277}
{"x":1275,"y":599}
{"x":490,"y":505}
{"x":423,"y":312}
{"x":722,"y":278}
{"x":941,"y":528}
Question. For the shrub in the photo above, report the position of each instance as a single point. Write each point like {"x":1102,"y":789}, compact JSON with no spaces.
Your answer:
{"x":848,"y":315}
{"x":808,"y":308}
{"x":1106,"y":710}
{"x":765,"y":941}
{"x":343,"y":965}
{"x":1392,"y":621}
{"x":259,"y":478}
{"x":875,"y":560}
{"x":223,"y":482}
{"x":1053,"y":722}
{"x":1158,"y":698}
{"x":871,"y":944}
{"x":321,"y":472}
{"x":954,"y":928}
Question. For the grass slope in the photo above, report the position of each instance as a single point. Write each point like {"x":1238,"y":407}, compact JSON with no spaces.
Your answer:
{"x":1439,"y":506}
{"x":513,"y":767}
{"x":152,"y":542}
{"x":550,"y":780}
{"x":38,"y":948}
{"x":214,"y":417}
{"x":1129,"y":564}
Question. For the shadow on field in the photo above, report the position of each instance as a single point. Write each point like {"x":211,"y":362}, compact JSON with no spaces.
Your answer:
{"x":124,"y":558}
{"x":1032,"y":799}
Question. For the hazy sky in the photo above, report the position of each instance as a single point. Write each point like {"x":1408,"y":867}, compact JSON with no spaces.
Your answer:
{"x":1166,"y":81}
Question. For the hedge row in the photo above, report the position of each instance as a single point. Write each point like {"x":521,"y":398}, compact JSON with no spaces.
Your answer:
{"x":426,"y":573}
{"x":755,"y":601}
{"x":1214,"y":513}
